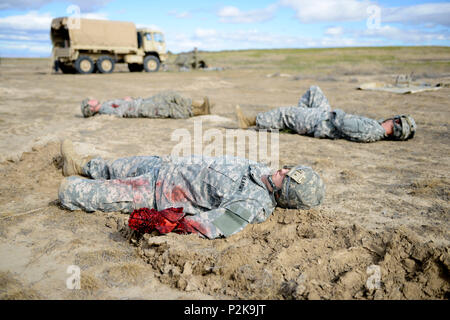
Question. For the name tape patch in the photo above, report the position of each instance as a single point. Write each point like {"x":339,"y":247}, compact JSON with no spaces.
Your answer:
{"x":298,"y":176}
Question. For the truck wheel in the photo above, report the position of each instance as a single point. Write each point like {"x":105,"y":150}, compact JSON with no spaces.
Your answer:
{"x":151,"y":64}
{"x":84,"y":65}
{"x":105,"y":64}
{"x":135,"y":67}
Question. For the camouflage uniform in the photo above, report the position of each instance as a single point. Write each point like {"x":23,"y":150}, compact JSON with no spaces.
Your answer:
{"x":313,"y":116}
{"x":163,"y":105}
{"x":213,"y":191}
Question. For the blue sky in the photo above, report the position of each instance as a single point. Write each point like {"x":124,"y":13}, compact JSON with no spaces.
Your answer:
{"x":227,"y":25}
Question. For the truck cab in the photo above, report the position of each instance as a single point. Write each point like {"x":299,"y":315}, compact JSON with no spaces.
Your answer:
{"x":153,"y":47}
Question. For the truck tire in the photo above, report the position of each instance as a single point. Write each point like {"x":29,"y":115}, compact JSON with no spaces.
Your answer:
{"x":151,"y":64}
{"x":84,"y":65}
{"x":105,"y":64}
{"x":135,"y":67}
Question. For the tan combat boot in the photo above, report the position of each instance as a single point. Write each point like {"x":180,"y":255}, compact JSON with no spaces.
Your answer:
{"x":201,"y":108}
{"x":244,"y":121}
{"x":72,"y":162}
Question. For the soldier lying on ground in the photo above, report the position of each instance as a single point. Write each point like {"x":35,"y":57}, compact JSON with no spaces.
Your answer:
{"x":167,"y":104}
{"x":313,"y":116}
{"x":220,"y":194}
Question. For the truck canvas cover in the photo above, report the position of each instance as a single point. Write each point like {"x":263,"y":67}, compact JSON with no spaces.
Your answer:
{"x":98,"y":34}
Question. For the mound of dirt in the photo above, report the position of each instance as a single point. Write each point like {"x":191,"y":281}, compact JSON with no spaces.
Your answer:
{"x":299,"y":255}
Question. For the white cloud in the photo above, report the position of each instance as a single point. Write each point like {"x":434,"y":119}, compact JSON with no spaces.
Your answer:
{"x":336,"y":36}
{"x":29,"y":33}
{"x":29,"y":21}
{"x":149,"y":26}
{"x":205,"y":33}
{"x":95,"y":15}
{"x":334,"y":31}
{"x":180,"y":15}
{"x":312,"y":11}
{"x":434,"y":13}
{"x":212,"y":39}
{"x":85,"y":5}
{"x":35,"y":21}
{"x":42,"y":49}
{"x":23,"y":4}
{"x":405,"y":36}
{"x":25,"y":37}
{"x":230,"y":14}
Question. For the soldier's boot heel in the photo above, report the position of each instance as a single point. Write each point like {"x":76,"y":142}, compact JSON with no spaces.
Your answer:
{"x":244,"y":121}
{"x":72,"y":162}
{"x":201,"y":108}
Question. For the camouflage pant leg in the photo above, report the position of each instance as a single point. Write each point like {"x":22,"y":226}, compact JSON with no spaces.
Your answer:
{"x":298,"y":119}
{"x":127,"y":167}
{"x":166,"y":105}
{"x":314,"y":98}
{"x":125,"y":195}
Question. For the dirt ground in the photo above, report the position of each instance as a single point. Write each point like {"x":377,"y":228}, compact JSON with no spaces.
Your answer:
{"x":382,"y":232}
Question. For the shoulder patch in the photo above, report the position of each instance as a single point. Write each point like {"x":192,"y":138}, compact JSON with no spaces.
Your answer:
{"x":298,"y":176}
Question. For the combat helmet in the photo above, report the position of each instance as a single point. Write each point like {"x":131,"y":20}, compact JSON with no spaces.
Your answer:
{"x":404,"y":127}
{"x":86,"y":108}
{"x":302,"y":188}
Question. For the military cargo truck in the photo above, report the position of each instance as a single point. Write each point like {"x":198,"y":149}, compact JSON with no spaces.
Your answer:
{"x":97,"y":45}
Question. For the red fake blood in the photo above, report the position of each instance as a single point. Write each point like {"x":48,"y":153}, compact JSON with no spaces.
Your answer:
{"x":132,"y":182}
{"x":135,"y":184}
{"x":190,"y":226}
{"x":147,"y":220}
{"x":177,"y":194}
{"x":115,"y":105}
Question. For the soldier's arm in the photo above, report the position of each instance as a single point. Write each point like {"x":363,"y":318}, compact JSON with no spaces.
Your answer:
{"x":357,"y":128}
{"x":238,"y":213}
{"x":230,"y":218}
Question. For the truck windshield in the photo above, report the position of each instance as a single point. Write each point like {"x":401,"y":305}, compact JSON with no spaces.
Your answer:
{"x":158,"y":37}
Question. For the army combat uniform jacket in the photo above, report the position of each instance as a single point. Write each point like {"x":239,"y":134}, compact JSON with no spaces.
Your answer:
{"x":313,"y":116}
{"x":167,"y":104}
{"x":221,"y":195}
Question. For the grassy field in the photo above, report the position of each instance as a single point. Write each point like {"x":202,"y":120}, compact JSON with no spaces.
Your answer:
{"x":425,"y":61}
{"x":421,"y":61}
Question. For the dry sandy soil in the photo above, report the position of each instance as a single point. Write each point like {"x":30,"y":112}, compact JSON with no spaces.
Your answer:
{"x":385,"y":217}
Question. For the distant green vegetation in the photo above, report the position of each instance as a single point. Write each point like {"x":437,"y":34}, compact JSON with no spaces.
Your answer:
{"x":370,"y":60}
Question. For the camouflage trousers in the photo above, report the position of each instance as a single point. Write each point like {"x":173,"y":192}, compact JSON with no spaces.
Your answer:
{"x":122,"y":185}
{"x":167,"y":104}
{"x":313,"y":116}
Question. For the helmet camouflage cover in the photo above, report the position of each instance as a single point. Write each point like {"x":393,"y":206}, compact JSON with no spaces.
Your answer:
{"x":302,"y":188}
{"x":404,"y":128}
{"x":86,"y":109}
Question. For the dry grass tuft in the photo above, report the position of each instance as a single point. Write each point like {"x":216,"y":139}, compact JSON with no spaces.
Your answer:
{"x":125,"y":274}
{"x":12,"y":289}
{"x":437,"y":187}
